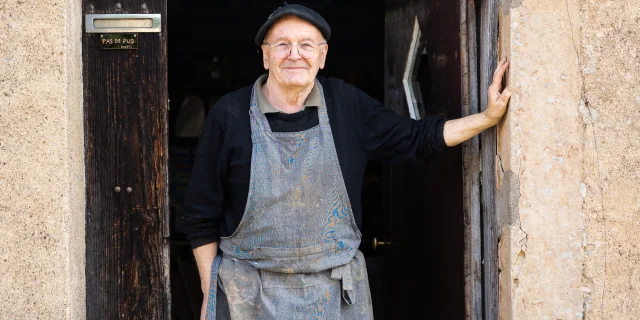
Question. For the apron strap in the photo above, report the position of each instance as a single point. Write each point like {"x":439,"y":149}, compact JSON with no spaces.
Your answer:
{"x":323,"y":117}
{"x":344,"y":274}
{"x":213,"y":288}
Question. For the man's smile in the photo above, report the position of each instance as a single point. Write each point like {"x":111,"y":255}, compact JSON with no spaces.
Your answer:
{"x":296,"y":68}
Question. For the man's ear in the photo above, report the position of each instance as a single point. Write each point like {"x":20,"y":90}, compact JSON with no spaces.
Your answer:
{"x":265,"y":57}
{"x":323,"y":55}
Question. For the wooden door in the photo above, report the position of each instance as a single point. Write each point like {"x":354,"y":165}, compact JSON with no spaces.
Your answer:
{"x":424,"y":202}
{"x":125,"y":103}
{"x":487,"y":14}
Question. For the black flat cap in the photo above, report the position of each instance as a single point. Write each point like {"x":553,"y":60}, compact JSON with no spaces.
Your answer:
{"x":299,"y":11}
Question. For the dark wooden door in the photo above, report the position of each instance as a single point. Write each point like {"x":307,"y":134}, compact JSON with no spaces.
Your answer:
{"x":125,"y":103}
{"x":424,"y":202}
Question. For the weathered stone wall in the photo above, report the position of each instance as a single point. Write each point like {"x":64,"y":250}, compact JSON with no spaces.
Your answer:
{"x":610,"y":65}
{"x":41,"y":160}
{"x":569,"y":197}
{"x":540,"y":150}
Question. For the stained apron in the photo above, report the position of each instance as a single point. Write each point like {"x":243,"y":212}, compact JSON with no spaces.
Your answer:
{"x":295,"y":252}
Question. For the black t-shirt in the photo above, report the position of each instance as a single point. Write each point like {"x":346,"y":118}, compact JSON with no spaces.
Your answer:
{"x":362,"y":130}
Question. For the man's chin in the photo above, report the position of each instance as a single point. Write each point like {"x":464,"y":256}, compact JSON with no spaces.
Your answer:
{"x":299,"y":81}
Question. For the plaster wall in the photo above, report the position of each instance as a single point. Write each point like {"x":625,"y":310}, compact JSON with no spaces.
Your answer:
{"x":569,"y":174}
{"x":41,"y":160}
{"x":540,"y":162}
{"x":610,"y":65}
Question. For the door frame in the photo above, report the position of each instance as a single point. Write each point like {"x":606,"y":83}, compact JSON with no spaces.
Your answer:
{"x":479,"y":57}
{"x":478,"y":43}
{"x":471,"y":165}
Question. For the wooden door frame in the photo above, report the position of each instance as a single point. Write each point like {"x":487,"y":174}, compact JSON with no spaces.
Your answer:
{"x":481,"y":235}
{"x":478,"y":43}
{"x":471,"y":165}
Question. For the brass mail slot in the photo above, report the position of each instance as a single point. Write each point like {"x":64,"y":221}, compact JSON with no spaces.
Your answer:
{"x":122,"y":23}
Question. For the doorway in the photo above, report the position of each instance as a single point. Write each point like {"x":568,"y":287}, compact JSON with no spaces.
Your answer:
{"x":412,"y":226}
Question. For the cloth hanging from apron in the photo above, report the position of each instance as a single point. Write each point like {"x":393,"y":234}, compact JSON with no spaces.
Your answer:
{"x":295,"y":252}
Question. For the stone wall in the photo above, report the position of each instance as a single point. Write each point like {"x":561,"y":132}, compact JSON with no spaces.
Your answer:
{"x":610,"y":65}
{"x":41,"y":160}
{"x":569,"y":182}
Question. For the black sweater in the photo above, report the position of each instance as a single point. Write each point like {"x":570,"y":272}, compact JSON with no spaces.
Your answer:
{"x":362,"y":130}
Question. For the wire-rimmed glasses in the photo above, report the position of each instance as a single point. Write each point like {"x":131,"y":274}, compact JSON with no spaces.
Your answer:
{"x":306,"y":49}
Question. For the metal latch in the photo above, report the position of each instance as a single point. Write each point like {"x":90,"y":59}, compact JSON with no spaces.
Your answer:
{"x":122,"y":23}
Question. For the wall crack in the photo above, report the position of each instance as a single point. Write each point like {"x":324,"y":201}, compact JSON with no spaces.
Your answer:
{"x":524,"y":239}
{"x":592,"y":117}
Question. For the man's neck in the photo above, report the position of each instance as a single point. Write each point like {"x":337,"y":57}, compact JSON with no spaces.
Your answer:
{"x":286,"y":99}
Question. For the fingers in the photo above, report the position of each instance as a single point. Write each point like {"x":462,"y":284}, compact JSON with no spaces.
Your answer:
{"x":493,"y":93}
{"x":500,"y":65}
{"x":496,"y":84}
{"x":506,"y":94}
{"x":500,"y":70}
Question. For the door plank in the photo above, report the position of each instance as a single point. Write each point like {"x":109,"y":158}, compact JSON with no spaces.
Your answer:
{"x":125,"y":109}
{"x":488,"y":61}
{"x":471,"y":164}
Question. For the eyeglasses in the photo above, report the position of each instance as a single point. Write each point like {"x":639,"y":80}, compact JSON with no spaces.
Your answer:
{"x":306,"y":49}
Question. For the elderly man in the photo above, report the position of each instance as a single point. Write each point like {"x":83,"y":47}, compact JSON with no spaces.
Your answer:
{"x":278,"y":177}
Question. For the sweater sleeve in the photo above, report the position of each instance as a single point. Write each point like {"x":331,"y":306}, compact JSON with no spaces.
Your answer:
{"x":390,"y":136}
{"x":204,"y":198}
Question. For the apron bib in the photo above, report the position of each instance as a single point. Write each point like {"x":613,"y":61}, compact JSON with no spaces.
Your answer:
{"x":295,"y":252}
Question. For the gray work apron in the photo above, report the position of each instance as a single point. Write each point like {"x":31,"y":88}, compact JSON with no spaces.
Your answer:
{"x":295,"y":252}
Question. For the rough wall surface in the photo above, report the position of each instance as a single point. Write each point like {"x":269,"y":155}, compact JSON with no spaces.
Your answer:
{"x":41,"y":161}
{"x":570,"y":149}
{"x":540,"y":148}
{"x":610,"y":62}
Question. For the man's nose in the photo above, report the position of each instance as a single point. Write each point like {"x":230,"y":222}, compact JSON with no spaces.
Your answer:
{"x":294,"y":54}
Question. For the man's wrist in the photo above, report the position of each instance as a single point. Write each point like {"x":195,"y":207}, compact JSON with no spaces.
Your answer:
{"x":489,"y":120}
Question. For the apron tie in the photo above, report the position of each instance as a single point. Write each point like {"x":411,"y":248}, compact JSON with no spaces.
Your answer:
{"x":343,"y":273}
{"x":213,"y":288}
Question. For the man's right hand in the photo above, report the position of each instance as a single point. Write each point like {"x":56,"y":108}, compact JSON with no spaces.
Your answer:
{"x":204,"y":258}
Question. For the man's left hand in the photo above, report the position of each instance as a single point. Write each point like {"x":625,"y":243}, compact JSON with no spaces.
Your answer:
{"x":460,"y":130}
{"x":497,"y":104}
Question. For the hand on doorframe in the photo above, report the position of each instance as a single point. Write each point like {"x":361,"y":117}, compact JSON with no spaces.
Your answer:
{"x":498,"y":101}
{"x":460,"y":130}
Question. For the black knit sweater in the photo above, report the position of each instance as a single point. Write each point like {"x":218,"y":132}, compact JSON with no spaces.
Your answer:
{"x":362,"y":130}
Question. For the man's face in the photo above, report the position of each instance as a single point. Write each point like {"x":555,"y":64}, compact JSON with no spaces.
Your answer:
{"x":299,"y":67}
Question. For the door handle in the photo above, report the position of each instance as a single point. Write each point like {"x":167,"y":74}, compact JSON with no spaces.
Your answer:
{"x":377,"y":243}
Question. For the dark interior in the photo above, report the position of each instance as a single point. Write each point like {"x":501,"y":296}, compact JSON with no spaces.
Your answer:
{"x":211,"y":52}
{"x":424,"y":266}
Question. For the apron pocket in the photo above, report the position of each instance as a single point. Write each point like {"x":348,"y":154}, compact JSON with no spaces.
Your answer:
{"x":302,"y":295}
{"x":320,"y":301}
